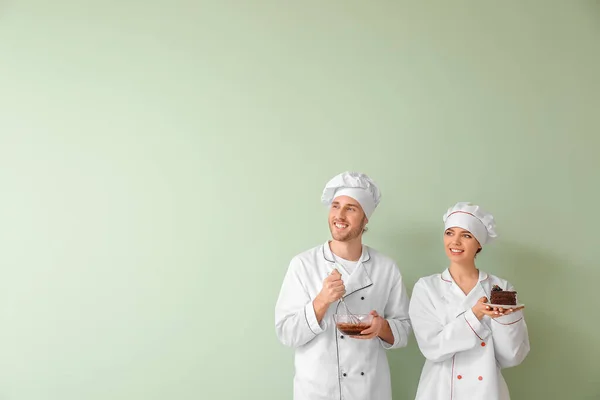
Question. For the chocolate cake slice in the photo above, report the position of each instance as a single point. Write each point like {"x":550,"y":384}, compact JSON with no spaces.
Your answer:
{"x":503,"y":297}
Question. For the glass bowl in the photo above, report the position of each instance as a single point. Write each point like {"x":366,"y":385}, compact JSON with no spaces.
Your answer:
{"x":352,"y":325}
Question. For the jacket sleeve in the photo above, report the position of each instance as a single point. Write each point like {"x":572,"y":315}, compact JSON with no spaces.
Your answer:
{"x":438,"y":341}
{"x":295,"y":320}
{"x":396,"y":314}
{"x":511,"y":338}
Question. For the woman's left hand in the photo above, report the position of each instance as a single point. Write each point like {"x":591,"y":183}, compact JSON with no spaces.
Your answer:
{"x":496,"y":312}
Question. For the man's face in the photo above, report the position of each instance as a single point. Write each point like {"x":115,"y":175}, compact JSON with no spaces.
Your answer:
{"x":346,"y":219}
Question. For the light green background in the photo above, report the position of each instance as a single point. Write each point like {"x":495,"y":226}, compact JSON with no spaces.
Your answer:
{"x":162,"y":161}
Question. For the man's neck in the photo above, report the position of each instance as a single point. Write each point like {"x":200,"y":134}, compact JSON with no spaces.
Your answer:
{"x":351,"y":250}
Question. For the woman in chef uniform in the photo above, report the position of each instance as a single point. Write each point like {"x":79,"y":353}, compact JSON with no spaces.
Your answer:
{"x":466,"y":343}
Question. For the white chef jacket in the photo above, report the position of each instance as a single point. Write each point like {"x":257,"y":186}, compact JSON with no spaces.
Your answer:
{"x":464,"y":356}
{"x":328,"y":364}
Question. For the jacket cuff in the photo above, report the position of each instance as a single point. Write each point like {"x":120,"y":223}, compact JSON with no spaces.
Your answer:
{"x":478,"y":328}
{"x":311,"y":319}
{"x":395,"y":333}
{"x":510,"y":319}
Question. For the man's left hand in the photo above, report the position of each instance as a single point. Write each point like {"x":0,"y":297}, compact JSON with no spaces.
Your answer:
{"x":375,"y":329}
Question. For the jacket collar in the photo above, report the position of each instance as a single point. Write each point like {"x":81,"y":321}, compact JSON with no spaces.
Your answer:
{"x":360,"y":279}
{"x":446,"y":277}
{"x":328,"y":254}
{"x":465,"y":302}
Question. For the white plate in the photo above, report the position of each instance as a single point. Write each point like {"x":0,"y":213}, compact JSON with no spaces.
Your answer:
{"x":504,"y":306}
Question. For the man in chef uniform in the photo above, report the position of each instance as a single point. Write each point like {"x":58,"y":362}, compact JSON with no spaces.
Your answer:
{"x":328,"y":364}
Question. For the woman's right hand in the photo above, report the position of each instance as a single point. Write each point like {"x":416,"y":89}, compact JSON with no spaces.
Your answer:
{"x":482,"y":309}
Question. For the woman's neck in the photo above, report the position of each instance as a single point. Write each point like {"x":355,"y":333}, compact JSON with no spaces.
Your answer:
{"x":463,"y":271}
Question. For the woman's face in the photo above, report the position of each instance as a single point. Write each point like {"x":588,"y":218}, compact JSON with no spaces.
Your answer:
{"x":460,"y":244}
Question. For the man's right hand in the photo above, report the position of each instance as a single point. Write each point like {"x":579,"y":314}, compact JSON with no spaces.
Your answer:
{"x":333,"y":289}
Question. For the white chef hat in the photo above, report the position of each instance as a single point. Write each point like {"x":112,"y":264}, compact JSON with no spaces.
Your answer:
{"x":472,"y":218}
{"x":356,"y":185}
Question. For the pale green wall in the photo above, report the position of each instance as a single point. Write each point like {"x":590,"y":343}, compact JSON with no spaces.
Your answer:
{"x":161,"y":162}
